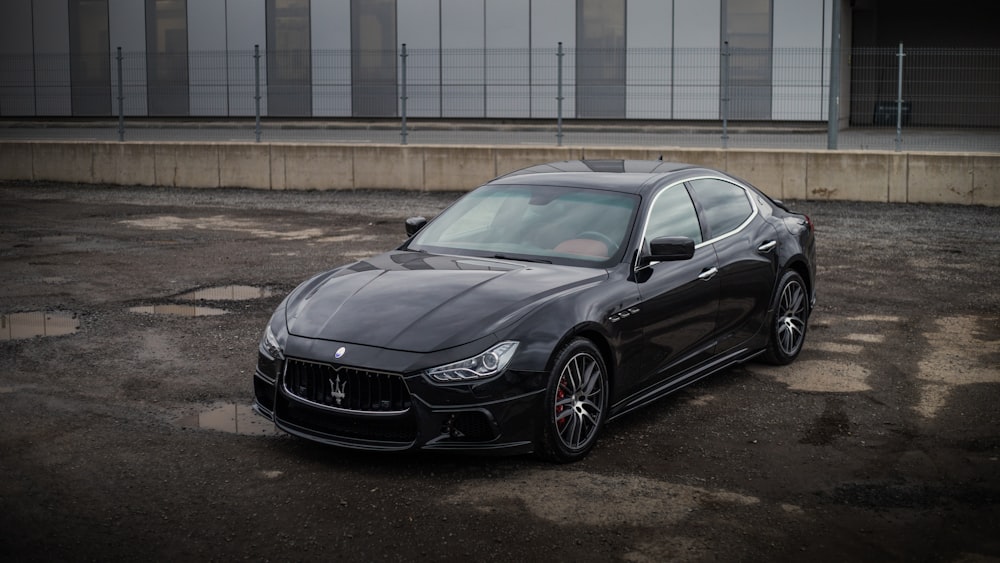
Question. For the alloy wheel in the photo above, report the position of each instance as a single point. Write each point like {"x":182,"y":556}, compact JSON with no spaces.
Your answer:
{"x":579,"y":401}
{"x":791,"y":319}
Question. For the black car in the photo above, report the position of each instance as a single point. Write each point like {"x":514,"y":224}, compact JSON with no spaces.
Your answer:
{"x":538,"y":307}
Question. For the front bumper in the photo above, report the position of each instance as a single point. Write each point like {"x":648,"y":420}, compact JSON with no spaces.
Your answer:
{"x":498,"y":416}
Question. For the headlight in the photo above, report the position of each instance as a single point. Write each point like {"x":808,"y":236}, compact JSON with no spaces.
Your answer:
{"x":269,"y":343}
{"x":487,"y":364}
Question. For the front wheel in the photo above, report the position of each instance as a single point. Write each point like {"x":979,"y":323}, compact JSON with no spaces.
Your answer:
{"x":788,"y":329}
{"x":576,"y":402}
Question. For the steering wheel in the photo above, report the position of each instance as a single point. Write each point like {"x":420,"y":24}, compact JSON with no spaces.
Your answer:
{"x":598,"y":236}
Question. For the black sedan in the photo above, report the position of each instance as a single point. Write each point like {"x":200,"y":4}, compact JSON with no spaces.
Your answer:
{"x":538,"y":307}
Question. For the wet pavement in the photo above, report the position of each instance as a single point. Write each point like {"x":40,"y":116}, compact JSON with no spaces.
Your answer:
{"x":129,"y":435}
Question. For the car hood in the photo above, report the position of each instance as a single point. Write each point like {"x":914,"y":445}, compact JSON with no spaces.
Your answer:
{"x":419,"y":302}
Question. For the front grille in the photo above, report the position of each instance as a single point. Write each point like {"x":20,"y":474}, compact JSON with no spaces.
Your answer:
{"x":393,"y":431}
{"x":346,"y":388}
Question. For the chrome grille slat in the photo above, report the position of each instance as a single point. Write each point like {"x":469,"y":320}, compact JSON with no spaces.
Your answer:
{"x":346,"y":389}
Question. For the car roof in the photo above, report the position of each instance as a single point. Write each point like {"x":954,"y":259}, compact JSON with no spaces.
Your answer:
{"x":632,"y":176}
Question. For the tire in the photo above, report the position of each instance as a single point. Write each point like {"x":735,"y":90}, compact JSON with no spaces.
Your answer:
{"x":576,"y":402}
{"x":787,"y":332}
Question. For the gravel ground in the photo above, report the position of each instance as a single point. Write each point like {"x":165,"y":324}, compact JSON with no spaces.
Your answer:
{"x":130,"y":438}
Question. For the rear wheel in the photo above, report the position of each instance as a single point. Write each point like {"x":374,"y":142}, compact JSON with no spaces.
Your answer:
{"x":788,"y":329}
{"x":576,"y":402}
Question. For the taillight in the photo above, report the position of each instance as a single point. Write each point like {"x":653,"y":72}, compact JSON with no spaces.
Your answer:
{"x":809,"y":223}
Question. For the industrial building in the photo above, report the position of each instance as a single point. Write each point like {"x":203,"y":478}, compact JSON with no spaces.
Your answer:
{"x":751,"y":60}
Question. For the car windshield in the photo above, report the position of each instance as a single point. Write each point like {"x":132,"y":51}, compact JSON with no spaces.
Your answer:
{"x":541,"y":223}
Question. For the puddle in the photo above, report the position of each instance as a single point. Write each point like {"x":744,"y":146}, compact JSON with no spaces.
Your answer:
{"x":221,"y":223}
{"x":232,"y":418}
{"x":16,"y":326}
{"x":958,"y":354}
{"x":221,"y":293}
{"x":561,"y":497}
{"x":227,"y":293}
{"x":819,"y":376}
{"x":178,"y":310}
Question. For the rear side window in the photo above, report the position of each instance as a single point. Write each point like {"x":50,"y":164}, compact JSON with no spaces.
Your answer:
{"x":725,"y":205}
{"x":673,"y":215}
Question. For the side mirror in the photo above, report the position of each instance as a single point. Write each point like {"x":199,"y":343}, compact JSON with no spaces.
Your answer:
{"x":414,"y":224}
{"x":668,"y":249}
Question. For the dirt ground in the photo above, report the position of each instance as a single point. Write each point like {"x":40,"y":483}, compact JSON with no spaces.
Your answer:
{"x":130,"y":437}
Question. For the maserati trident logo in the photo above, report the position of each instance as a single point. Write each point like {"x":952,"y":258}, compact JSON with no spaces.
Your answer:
{"x":337,"y":390}
{"x":340,"y":352}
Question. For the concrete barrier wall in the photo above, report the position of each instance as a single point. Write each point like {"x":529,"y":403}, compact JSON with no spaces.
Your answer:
{"x":960,"y":178}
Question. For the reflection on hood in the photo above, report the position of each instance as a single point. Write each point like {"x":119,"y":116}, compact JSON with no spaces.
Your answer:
{"x":423,"y":302}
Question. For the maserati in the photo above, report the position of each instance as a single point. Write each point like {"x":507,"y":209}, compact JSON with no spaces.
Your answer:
{"x":539,"y":307}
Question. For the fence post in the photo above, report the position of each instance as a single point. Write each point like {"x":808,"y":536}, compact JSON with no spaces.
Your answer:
{"x":486,"y":85}
{"x":402,"y":98}
{"x":256,"y":92}
{"x":833,"y":110}
{"x":899,"y":102}
{"x":121,"y":99}
{"x":559,"y":95}
{"x":725,"y":94}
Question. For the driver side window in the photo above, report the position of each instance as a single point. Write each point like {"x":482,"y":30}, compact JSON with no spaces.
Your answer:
{"x":673,"y":215}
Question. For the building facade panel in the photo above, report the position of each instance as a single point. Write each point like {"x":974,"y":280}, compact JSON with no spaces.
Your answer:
{"x":747,"y":60}
{"x":289,"y":58}
{"x":508,"y":58}
{"x":90,"y":57}
{"x":800,"y":59}
{"x":17,"y":91}
{"x":374,"y":60}
{"x":167,"y":57}
{"x":420,"y":30}
{"x":649,"y":63}
{"x":127,"y":29}
{"x":696,"y":59}
{"x":246,"y":26}
{"x":824,"y":78}
{"x":463,"y":38}
{"x":552,"y":22}
{"x":53,"y":93}
{"x":207,"y":58}
{"x":600,"y":59}
{"x":331,"y":58}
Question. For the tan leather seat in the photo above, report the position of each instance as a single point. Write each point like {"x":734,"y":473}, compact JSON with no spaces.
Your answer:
{"x":583,"y":246}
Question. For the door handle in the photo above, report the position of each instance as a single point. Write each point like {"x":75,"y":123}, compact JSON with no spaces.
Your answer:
{"x":708,"y":274}
{"x":767,"y":246}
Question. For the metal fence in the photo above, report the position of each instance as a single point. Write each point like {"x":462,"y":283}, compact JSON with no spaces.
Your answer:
{"x":890,"y":99}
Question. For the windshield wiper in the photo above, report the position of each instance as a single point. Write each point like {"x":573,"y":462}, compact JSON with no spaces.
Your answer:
{"x":521,"y":259}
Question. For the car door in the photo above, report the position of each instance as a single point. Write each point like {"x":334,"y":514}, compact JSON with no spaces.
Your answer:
{"x":746,"y":248}
{"x":679,"y":299}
